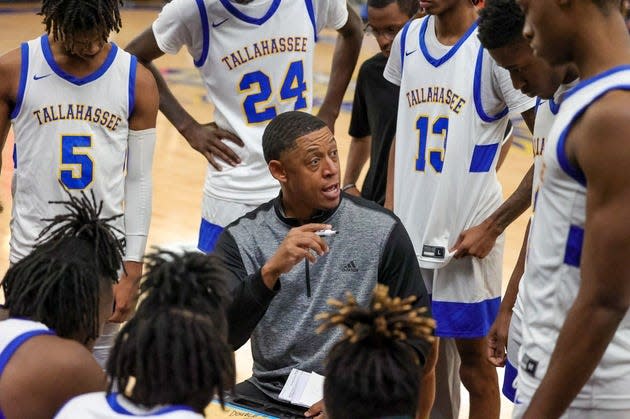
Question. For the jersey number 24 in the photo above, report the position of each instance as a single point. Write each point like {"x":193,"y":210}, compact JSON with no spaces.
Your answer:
{"x":254,"y":105}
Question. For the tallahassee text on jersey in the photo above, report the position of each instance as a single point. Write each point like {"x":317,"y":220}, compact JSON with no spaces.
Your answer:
{"x":77,"y":112}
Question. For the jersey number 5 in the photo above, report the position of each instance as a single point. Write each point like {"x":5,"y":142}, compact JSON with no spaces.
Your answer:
{"x":293,"y":86}
{"x":435,"y":155}
{"x":76,"y":169}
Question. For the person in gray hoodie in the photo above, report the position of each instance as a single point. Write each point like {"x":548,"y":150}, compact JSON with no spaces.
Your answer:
{"x":311,"y":243}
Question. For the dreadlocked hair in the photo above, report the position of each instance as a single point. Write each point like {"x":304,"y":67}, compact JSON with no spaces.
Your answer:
{"x":61,"y":281}
{"x":175,"y":350}
{"x":373,"y":372}
{"x":64,"y":19}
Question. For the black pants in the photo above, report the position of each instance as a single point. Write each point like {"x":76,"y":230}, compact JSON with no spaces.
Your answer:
{"x":248,"y":395}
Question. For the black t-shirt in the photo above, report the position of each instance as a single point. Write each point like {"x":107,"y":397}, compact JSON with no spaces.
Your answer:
{"x":374,"y":112}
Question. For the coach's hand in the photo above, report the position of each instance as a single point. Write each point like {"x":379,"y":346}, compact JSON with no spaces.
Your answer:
{"x":498,"y":338}
{"x":126,"y":292}
{"x":208,"y":140}
{"x":477,"y":241}
{"x":296,"y":246}
{"x":316,"y":411}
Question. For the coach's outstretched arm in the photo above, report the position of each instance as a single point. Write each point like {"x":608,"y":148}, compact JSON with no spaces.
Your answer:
{"x":344,"y":60}
{"x":599,"y":145}
{"x":206,"y":139}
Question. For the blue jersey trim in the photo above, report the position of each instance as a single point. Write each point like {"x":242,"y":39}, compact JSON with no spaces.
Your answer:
{"x":205,"y":28}
{"x":509,"y":376}
{"x":403,"y":41}
{"x":23,"y":76}
{"x":112,"y":401}
{"x":14,"y":156}
{"x":482,"y":158}
{"x":465,"y":320}
{"x":15,"y":344}
{"x":79,"y":81}
{"x":563,"y":160}
{"x":242,"y":16}
{"x":582,"y":84}
{"x":311,"y":15}
{"x":538,"y":103}
{"x":132,"y":84}
{"x":573,"y":249}
{"x":208,"y":235}
{"x":436,"y":62}
{"x":553,"y":106}
{"x":477,"y":92}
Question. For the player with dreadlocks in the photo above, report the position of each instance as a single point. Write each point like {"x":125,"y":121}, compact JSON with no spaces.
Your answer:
{"x":373,"y":372}
{"x":175,"y":347}
{"x":58,"y":299}
{"x":69,"y":134}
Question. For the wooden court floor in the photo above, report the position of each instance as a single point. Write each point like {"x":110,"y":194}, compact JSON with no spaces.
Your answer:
{"x":178,"y":170}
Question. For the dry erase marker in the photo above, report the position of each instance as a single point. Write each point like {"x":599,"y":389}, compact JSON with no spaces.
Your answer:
{"x":326,"y":233}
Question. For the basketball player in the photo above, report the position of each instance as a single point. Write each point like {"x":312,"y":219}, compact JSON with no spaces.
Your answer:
{"x":500,"y":32}
{"x":174,"y":349}
{"x":574,"y":360}
{"x":83,"y":116}
{"x":460,"y":102}
{"x":256,"y":61}
{"x":58,"y":299}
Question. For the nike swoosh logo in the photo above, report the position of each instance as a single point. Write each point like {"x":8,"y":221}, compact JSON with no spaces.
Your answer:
{"x":216,"y":25}
{"x":36,"y":77}
{"x":410,"y":52}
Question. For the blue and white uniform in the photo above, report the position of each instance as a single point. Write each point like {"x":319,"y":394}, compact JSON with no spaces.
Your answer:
{"x":553,"y":268}
{"x":546,"y":111}
{"x":452,"y":116}
{"x":115,"y":406}
{"x":256,"y":61}
{"x":68,"y":132}
{"x":14,"y":333}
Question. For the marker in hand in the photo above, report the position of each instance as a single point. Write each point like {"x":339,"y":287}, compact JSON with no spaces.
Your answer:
{"x":326,"y":233}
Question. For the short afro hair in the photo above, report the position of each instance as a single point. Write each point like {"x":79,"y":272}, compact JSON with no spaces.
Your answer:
{"x":408,"y":7}
{"x":284,"y":129}
{"x":500,"y":23}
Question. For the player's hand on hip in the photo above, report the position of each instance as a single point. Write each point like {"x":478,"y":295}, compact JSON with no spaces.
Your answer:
{"x":477,"y":241}
{"x":299,"y":244}
{"x":126,"y":292}
{"x":209,"y":139}
{"x":316,"y":411}
{"x":498,"y":338}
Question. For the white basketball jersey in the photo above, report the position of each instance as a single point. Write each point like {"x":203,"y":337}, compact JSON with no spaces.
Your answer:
{"x":256,"y":61}
{"x":553,"y":262}
{"x":114,"y":406}
{"x":69,"y":131}
{"x":546,"y":111}
{"x":447,"y":145}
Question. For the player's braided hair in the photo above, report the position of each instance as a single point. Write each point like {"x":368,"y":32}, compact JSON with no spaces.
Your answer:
{"x":500,"y":24}
{"x":373,"y":372}
{"x":64,"y":19}
{"x":60,"y":282}
{"x":175,"y":347}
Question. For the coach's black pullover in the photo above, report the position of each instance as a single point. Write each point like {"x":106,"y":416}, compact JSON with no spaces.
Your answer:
{"x":372,"y":246}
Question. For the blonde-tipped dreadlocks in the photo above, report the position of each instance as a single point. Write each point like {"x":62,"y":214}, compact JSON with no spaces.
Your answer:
{"x":373,"y":371}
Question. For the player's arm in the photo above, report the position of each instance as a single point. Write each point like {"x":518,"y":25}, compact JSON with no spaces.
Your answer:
{"x":389,"y":187}
{"x":357,"y":156}
{"x":10,"y":73}
{"x":478,"y":241}
{"x":529,"y":116}
{"x":599,"y":145}
{"x":498,"y":334}
{"x":206,"y":139}
{"x":344,"y":60}
{"x":138,"y":191}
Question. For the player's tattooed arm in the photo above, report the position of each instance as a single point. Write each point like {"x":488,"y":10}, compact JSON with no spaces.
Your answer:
{"x":206,"y":139}
{"x":478,"y":241}
{"x":598,"y":144}
{"x":344,"y":60}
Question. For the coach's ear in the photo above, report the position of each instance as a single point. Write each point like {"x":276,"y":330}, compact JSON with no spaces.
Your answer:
{"x":277,"y":171}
